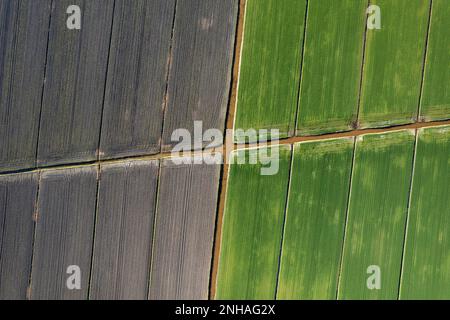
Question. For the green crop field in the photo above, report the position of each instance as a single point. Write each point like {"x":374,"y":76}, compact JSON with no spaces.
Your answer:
{"x":377,"y":214}
{"x":362,"y":215}
{"x":348,"y":207}
{"x":270,"y":66}
{"x":377,"y":205}
{"x":332,"y":73}
{"x":426,"y":267}
{"x":393,"y":64}
{"x":332,"y":66}
{"x":315,"y":219}
{"x":252,"y":229}
{"x":435,"y":104}
{"x":355,"y":226}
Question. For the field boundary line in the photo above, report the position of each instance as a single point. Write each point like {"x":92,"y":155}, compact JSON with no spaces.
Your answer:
{"x":286,"y":208}
{"x":229,"y":125}
{"x":405,"y":235}
{"x":425,"y":59}
{"x":167,"y":78}
{"x":155,"y":219}
{"x":352,"y":133}
{"x":215,"y":150}
{"x":43,"y":84}
{"x":363,"y":62}
{"x":341,"y":259}
{"x":299,"y":92}
{"x":106,"y":82}
{"x":35,"y":218}
{"x":97,"y":205}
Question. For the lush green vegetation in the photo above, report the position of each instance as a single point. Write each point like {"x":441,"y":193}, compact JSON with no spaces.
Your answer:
{"x":435,"y":104}
{"x":252,"y":229}
{"x":377,"y":214}
{"x":393,"y":64}
{"x":315,"y":219}
{"x":354,"y":207}
{"x":331,"y":66}
{"x":270,"y":66}
{"x":427,"y":253}
{"x":347,"y":211}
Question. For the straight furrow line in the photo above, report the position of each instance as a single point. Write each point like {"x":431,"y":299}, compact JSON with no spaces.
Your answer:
{"x":425,"y":55}
{"x":43,"y":83}
{"x":352,"y":170}
{"x":301,"y":66}
{"x":407,"y":214}
{"x":362,"y":71}
{"x":286,"y":208}
{"x":106,"y":82}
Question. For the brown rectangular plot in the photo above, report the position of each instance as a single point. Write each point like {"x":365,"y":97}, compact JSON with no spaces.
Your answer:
{"x":184,"y":231}
{"x":124,"y":230}
{"x":17,"y":205}
{"x":75,"y":81}
{"x":136,"y":81}
{"x":23,"y":43}
{"x":200,"y":72}
{"x":64,"y":232}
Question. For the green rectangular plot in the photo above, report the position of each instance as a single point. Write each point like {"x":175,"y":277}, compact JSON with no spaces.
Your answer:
{"x":315,"y":219}
{"x":393,"y":64}
{"x":426,"y":266}
{"x":435,"y":104}
{"x":331,"y":66}
{"x":252,"y":226}
{"x":377,"y":215}
{"x":270,"y":66}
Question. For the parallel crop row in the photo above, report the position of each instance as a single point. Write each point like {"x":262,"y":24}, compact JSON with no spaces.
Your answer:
{"x":313,"y":67}
{"x":338,"y":211}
